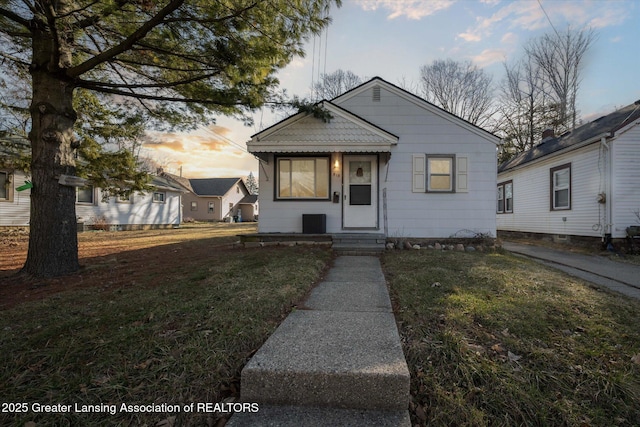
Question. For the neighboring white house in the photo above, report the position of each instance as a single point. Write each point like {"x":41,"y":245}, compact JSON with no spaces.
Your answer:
{"x":159,"y":208}
{"x":385,"y":162}
{"x":583,"y":183}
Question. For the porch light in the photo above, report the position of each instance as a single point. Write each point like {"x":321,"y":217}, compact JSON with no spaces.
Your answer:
{"x":336,"y":165}
{"x":359,"y":172}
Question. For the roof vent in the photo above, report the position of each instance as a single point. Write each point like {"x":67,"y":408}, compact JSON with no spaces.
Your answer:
{"x":376,"y":94}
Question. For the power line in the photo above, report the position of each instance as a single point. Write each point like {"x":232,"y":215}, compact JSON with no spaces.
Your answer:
{"x":227,"y":140}
{"x":548,"y":19}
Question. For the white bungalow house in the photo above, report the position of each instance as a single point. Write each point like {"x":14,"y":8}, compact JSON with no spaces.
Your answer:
{"x":582,"y":185}
{"x":386,"y":162}
{"x":157,"y":209}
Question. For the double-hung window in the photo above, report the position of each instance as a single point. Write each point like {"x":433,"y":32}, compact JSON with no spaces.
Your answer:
{"x":440,"y":171}
{"x":560,"y":178}
{"x":505,"y":197}
{"x":303,"y":178}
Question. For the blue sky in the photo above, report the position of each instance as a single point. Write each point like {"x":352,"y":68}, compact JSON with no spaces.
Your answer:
{"x":392,"y":39}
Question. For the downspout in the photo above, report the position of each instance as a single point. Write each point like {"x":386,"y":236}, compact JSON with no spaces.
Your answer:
{"x":606,"y":200}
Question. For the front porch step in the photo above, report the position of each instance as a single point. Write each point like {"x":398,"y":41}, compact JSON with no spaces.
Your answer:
{"x":358,"y":243}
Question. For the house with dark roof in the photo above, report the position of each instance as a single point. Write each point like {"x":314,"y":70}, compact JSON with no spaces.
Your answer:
{"x":582,"y":185}
{"x":380,"y":161}
{"x":215,"y":199}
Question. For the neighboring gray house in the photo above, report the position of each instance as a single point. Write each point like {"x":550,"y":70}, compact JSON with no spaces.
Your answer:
{"x":211,"y":199}
{"x":582,"y":184}
{"x":386,"y":162}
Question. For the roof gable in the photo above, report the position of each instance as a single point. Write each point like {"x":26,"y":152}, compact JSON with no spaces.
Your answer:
{"x":606,"y":126}
{"x":303,"y":132}
{"x":416,"y":100}
{"x":213,"y":186}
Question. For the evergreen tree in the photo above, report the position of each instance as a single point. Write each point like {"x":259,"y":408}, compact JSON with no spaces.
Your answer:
{"x":252,"y":184}
{"x":179,"y":62}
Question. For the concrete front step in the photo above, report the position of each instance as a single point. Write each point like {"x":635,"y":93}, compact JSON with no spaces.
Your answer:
{"x":359,"y":238}
{"x":330,"y":359}
{"x":358,"y":244}
{"x":296,"y":416}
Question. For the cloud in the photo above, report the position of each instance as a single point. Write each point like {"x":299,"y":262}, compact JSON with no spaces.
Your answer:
{"x":470,"y":37}
{"x":509,"y":39}
{"x":412,"y":9}
{"x":530,"y":16}
{"x":206,"y":153}
{"x":609,"y":17}
{"x":168,"y":142}
{"x":489,"y":56}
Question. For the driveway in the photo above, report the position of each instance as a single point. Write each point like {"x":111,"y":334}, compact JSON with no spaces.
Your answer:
{"x":601,"y":271}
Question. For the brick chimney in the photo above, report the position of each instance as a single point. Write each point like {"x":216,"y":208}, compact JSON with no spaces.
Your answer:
{"x":547,"y":134}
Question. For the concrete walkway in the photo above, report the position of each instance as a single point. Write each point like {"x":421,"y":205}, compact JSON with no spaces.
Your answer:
{"x":601,"y":271}
{"x":338,"y":362}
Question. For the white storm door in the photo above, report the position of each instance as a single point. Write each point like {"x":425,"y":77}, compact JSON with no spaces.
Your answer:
{"x":360,"y":201}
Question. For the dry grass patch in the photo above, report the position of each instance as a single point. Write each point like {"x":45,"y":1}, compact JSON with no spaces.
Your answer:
{"x":492,"y":339}
{"x":179,"y":334}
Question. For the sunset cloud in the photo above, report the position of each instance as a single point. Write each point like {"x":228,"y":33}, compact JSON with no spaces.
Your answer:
{"x":205,"y":153}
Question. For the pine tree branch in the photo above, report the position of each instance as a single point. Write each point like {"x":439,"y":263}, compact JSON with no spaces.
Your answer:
{"x":126,"y":44}
{"x":15,"y":18}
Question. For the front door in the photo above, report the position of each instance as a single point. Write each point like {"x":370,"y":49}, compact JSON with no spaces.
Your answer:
{"x":360,"y":201}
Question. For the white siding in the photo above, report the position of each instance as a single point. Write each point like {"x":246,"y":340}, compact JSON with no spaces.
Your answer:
{"x":625,"y":181}
{"x":531,"y":198}
{"x":409,"y":213}
{"x":285,"y":216}
{"x":233,"y":196}
{"x":17,"y":211}
{"x":143,"y":211}
{"x":420,"y":131}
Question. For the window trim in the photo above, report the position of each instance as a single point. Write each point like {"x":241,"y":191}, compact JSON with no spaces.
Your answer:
{"x":9,"y":177}
{"x":93,"y":196}
{"x":194,"y":206}
{"x":552,"y":188}
{"x":452,"y":173}
{"x":276,"y":192}
{"x":128,"y":200}
{"x":164,"y":197}
{"x":503,"y":186}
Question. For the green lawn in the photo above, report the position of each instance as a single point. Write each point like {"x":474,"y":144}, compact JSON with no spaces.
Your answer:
{"x":491,"y":339}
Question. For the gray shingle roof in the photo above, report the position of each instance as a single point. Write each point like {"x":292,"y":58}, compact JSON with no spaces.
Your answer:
{"x":212,"y":186}
{"x":249,"y":199}
{"x":163,"y":183}
{"x":603,"y":125}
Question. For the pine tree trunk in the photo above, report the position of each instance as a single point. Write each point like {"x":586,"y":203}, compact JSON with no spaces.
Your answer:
{"x":53,"y":240}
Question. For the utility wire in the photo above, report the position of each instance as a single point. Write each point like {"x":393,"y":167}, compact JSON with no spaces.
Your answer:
{"x":227,"y":140}
{"x":548,"y":19}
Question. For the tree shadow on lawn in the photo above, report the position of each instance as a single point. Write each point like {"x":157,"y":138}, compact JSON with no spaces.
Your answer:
{"x":140,"y":267}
